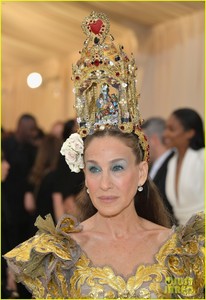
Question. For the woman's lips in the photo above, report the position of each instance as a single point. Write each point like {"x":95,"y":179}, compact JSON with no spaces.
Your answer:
{"x":107,"y":198}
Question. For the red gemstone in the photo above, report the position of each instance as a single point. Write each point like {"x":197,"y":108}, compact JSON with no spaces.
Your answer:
{"x":96,"y":62}
{"x":117,"y":74}
{"x":77,"y":77}
{"x":96,"y":26}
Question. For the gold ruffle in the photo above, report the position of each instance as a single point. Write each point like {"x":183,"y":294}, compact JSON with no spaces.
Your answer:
{"x":37,"y":262}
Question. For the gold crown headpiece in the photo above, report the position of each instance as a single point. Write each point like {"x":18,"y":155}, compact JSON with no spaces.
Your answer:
{"x":105,"y":83}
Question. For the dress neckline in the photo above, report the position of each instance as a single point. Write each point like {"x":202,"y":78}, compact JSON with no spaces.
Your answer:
{"x":136,"y":267}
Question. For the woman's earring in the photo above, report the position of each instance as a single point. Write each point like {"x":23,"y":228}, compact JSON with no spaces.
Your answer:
{"x":87,"y":191}
{"x":140,"y":188}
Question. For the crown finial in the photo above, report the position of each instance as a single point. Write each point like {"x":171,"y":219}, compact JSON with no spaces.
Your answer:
{"x":96,"y":27}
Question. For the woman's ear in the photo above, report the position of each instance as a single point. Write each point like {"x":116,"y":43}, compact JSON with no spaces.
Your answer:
{"x":143,"y":172}
{"x":190,"y":133}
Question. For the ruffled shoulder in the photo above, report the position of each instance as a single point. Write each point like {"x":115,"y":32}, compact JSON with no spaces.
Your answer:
{"x":194,"y":229}
{"x":36,"y":261}
{"x":183,"y":256}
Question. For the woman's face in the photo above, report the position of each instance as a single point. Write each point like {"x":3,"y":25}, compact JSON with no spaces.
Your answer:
{"x":175,"y":135}
{"x":112,"y":175}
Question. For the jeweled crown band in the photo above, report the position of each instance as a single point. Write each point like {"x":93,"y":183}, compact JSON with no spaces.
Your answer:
{"x":126,"y":128}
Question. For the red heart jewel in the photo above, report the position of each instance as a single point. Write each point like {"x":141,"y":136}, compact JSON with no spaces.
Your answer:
{"x":96,"y":26}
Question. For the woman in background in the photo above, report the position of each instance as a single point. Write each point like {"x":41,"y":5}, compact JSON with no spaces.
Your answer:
{"x":185,"y":174}
{"x":42,"y":176}
{"x":67,"y":184}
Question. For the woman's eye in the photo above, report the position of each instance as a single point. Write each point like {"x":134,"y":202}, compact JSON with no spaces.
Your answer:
{"x":117,"y":168}
{"x":94,"y":169}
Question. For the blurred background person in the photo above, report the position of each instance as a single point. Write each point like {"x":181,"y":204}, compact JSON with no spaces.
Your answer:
{"x":57,"y":129}
{"x":5,"y":133}
{"x":8,"y":284}
{"x":20,"y":153}
{"x":38,"y":137}
{"x":41,"y":178}
{"x":67,"y":184}
{"x":4,"y":167}
{"x":185,"y":174}
{"x":160,"y":155}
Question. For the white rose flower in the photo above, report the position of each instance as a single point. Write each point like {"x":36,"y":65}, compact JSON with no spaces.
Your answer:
{"x":78,"y":147}
{"x":80,"y":162}
{"x":74,"y":168}
{"x":73,"y":149}
{"x":71,"y":156}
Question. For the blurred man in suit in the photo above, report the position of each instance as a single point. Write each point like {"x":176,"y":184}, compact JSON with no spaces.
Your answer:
{"x":159,"y":156}
{"x":20,"y":153}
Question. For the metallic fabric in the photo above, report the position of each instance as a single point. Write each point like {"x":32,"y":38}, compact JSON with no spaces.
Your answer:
{"x":52,"y":265}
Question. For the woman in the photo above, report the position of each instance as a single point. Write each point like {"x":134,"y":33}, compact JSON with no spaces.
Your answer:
{"x":42,"y":177}
{"x":185,"y":175}
{"x":67,"y":184}
{"x":119,"y":252}
{"x":122,"y":248}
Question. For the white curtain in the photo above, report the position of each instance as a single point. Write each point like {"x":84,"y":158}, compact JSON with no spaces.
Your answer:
{"x":172,"y":70}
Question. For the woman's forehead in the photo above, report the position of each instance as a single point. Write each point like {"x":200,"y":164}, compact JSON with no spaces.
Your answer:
{"x":107,"y":141}
{"x":108,"y":146}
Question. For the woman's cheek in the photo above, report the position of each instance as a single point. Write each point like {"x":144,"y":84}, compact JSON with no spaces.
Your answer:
{"x":92,"y":183}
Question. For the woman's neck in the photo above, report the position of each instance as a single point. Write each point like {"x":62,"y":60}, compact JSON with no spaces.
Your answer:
{"x":181,"y":153}
{"x":118,"y":226}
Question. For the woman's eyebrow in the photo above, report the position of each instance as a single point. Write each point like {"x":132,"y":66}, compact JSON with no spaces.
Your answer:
{"x":91,"y":161}
{"x":117,"y":160}
{"x":113,"y":161}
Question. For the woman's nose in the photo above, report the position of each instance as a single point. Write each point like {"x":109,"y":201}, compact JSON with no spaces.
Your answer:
{"x":105,"y":181}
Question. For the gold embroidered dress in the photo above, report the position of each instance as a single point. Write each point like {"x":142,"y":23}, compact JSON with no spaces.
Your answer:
{"x":52,"y":265}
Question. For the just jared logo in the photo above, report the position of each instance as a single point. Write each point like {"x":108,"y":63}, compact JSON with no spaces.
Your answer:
{"x":181,"y":285}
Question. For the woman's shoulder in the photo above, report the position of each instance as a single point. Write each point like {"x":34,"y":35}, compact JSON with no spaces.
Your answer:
{"x":48,"y":236}
{"x":34,"y":260}
{"x":185,"y":243}
{"x":194,"y":228}
{"x":151,"y":226}
{"x":195,"y":154}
